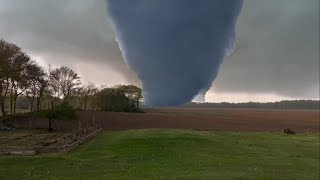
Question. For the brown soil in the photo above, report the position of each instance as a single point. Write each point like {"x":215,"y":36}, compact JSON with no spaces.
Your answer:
{"x":192,"y":118}
{"x":209,"y":119}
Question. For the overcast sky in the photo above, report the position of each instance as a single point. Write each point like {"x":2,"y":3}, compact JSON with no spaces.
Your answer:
{"x":276,"y":56}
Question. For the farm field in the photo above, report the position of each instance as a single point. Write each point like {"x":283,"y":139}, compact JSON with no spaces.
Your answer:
{"x":300,"y":121}
{"x":210,"y":119}
{"x":176,"y":154}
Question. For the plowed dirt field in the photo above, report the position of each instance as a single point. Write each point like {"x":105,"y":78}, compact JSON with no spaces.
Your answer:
{"x":210,"y":119}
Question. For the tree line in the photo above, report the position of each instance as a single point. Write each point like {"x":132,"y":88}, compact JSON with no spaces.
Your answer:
{"x":294,"y":104}
{"x":26,"y":84}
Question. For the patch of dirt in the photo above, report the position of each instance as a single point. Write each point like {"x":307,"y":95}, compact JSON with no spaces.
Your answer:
{"x":31,"y":142}
{"x":25,"y":139}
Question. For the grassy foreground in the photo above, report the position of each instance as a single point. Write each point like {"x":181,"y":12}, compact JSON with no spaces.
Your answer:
{"x":176,"y":154}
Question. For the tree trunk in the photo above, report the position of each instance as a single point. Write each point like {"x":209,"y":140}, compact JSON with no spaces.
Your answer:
{"x":31,"y":104}
{"x":50,"y":129}
{"x":14,"y":103}
{"x":11,"y":101}
{"x":2,"y":111}
{"x":38,"y":102}
{"x":137,"y":104}
{"x":39,"y":98}
{"x":3,"y":94}
{"x":85,"y":105}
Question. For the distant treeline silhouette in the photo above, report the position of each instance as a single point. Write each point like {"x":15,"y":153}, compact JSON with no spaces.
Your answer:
{"x":294,"y":104}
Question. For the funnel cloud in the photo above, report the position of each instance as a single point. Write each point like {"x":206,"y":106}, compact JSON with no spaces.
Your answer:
{"x":175,"y":47}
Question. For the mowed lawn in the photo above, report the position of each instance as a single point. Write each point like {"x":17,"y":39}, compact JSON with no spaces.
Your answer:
{"x":176,"y":154}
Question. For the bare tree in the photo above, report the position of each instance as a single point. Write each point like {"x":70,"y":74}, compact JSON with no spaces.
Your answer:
{"x":84,"y":94}
{"x":63,"y":82}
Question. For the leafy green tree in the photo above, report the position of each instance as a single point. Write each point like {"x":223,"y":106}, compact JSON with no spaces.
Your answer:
{"x":23,"y":80}
{"x":133,"y":93}
{"x":112,"y":99}
{"x":38,"y":81}
{"x":121,"y":98}
{"x":12,"y":64}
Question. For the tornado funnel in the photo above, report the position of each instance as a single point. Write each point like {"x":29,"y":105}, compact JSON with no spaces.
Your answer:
{"x":176,"y":47}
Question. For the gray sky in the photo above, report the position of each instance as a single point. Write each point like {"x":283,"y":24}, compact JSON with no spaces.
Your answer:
{"x":276,"y":56}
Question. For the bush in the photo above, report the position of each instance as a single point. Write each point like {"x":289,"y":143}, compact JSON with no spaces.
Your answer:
{"x":62,"y":112}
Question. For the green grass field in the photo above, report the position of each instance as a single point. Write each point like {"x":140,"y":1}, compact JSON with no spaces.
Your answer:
{"x":176,"y":154}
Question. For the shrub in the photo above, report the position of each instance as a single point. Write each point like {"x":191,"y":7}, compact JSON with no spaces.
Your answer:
{"x":63,"y":112}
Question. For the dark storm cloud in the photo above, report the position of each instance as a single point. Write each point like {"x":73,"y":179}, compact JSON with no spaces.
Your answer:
{"x":277,"y":48}
{"x":63,"y":32}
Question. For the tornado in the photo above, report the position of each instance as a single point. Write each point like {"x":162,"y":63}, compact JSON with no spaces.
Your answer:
{"x":176,"y":47}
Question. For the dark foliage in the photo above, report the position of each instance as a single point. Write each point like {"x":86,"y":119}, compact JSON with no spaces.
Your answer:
{"x":296,"y":104}
{"x":119,"y":99}
{"x":62,"y":112}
